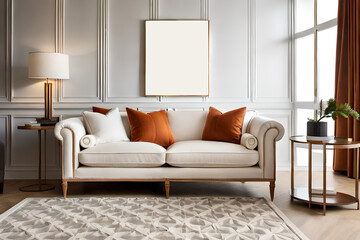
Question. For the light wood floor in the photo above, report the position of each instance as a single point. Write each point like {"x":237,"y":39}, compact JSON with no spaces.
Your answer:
{"x":340,"y":223}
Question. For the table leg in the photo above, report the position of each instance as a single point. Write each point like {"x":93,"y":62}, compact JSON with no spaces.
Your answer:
{"x":40,"y":152}
{"x":45,"y":156}
{"x":357,"y":178}
{"x":310,"y":173}
{"x":324,"y":179}
{"x":39,"y":186}
{"x":292,"y":169}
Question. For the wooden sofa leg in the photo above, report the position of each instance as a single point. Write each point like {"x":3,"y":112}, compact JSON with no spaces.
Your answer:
{"x":272,"y":190}
{"x":167,"y":188}
{"x":64,"y":188}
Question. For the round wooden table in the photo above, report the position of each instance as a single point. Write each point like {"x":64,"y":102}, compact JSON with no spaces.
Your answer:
{"x":41,"y":186}
{"x":305,"y":193}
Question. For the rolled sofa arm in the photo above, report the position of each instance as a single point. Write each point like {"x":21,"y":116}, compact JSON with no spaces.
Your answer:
{"x":267,"y":132}
{"x":69,"y":132}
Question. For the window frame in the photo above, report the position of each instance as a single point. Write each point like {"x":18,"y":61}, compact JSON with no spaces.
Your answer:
{"x":313,"y":30}
{"x":311,"y":105}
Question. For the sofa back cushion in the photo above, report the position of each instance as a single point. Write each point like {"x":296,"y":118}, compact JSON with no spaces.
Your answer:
{"x":126,"y":123}
{"x":189,"y":125}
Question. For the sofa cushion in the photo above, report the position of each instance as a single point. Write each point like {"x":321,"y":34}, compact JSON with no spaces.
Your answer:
{"x":210,"y":154}
{"x":123,"y":154}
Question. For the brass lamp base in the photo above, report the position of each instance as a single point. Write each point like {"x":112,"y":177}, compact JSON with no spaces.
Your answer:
{"x":48,"y":100}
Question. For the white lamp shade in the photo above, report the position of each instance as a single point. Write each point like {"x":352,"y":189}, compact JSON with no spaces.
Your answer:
{"x":48,"y":65}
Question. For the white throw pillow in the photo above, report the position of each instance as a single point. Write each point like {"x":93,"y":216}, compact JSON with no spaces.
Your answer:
{"x":106,"y":128}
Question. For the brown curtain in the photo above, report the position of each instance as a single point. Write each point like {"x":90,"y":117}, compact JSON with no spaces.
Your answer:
{"x":347,"y":79}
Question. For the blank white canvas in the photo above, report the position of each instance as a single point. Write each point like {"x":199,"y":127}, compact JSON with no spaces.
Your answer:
{"x":177,"y":58}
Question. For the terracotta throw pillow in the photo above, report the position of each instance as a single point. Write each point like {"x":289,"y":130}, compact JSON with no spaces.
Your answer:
{"x":100,"y":110}
{"x":225,"y":127}
{"x":150,"y":127}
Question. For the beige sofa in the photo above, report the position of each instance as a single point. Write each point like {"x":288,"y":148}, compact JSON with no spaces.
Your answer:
{"x":188,"y":159}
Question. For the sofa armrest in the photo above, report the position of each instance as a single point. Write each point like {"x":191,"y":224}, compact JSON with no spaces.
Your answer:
{"x":267,"y":132}
{"x":69,"y":132}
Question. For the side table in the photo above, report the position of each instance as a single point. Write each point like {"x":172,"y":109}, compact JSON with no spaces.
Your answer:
{"x":305,"y":194}
{"x":41,"y":186}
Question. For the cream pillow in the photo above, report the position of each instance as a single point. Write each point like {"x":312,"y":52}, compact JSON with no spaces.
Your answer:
{"x":106,"y":128}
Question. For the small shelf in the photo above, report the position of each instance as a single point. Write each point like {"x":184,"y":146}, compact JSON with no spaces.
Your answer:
{"x":302,"y":194}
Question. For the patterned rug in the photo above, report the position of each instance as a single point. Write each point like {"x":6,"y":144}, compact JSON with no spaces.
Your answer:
{"x":146,"y":218}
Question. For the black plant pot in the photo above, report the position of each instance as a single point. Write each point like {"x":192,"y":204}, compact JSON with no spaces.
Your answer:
{"x":318,"y":129}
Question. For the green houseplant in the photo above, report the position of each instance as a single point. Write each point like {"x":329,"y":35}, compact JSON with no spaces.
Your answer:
{"x":315,"y":127}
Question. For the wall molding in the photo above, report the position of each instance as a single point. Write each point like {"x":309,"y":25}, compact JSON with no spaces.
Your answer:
{"x":154,"y":9}
{"x":249,"y":53}
{"x":204,"y":9}
{"x":8,"y":53}
{"x":256,"y":97}
{"x":38,"y":108}
{"x":7,"y":139}
{"x":61,"y":12}
{"x":60,"y":39}
{"x":252,"y":48}
{"x":154,"y":12}
{"x":102,"y":82}
{"x":10,"y":46}
{"x":104,"y":48}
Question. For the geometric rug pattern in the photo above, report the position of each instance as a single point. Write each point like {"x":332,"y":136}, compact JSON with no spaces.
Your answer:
{"x":108,"y":218}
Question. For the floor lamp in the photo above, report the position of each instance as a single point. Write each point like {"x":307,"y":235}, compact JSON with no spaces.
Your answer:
{"x":48,"y":66}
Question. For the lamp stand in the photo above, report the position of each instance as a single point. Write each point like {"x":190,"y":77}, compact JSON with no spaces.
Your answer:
{"x":48,"y":100}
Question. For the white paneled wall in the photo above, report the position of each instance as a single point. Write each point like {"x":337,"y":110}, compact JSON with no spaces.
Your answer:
{"x":272,"y":51}
{"x":229,"y":50}
{"x":175,"y":9}
{"x":249,"y":63}
{"x":82,"y":44}
{"x":33,"y":29}
{"x":126,"y":62}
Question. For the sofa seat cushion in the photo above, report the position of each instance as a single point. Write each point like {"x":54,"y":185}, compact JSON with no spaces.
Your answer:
{"x":199,"y":153}
{"x":123,"y":154}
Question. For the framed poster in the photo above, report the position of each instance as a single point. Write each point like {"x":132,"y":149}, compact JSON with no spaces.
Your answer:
{"x":176,"y":58}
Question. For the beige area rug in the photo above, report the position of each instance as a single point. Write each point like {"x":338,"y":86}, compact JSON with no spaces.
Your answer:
{"x":147,"y":218}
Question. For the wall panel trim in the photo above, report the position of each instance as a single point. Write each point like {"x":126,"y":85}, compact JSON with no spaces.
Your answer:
{"x":100,"y":45}
{"x":10,"y":32}
{"x":60,"y":39}
{"x":8,"y":53}
{"x":254,"y":81}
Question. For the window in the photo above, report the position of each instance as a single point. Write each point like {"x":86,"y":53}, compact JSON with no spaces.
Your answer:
{"x":314,"y":66}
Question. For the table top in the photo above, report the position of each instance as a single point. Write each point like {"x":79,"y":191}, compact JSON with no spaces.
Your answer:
{"x":334,"y":141}
{"x":36,"y":127}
